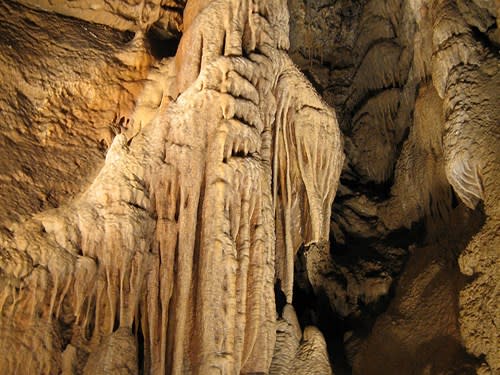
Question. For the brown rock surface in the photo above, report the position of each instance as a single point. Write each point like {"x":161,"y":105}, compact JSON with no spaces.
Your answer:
{"x":174,"y":238}
{"x":420,"y":331}
{"x":412,"y":83}
{"x":58,"y":107}
{"x":173,"y":214}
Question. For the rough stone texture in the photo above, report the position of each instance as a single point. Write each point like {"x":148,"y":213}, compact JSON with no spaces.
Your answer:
{"x":174,"y":239}
{"x":297,"y":353}
{"x":165,"y":16}
{"x":160,"y":210}
{"x":58,"y":107}
{"x":415,"y":86}
{"x":117,"y":354}
{"x":419,"y":332}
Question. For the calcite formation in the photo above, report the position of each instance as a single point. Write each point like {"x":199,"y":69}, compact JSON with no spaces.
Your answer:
{"x":249,"y":187}
{"x":172,"y":247}
{"x":415,"y":86}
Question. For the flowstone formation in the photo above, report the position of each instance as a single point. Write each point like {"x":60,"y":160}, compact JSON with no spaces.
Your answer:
{"x":166,"y":263}
{"x":249,"y":187}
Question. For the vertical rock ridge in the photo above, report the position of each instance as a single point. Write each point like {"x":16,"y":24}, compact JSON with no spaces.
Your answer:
{"x":176,"y":234}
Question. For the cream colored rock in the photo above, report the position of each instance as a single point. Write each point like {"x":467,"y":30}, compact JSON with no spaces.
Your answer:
{"x":154,"y":204}
{"x":312,"y":356}
{"x":135,"y":15}
{"x":288,"y":336}
{"x":296,"y":353}
{"x":175,"y":236}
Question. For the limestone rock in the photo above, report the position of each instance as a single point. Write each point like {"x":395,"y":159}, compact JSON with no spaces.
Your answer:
{"x":135,"y":15}
{"x":297,"y":353}
{"x":415,"y":86}
{"x":419,"y":333}
{"x":117,"y":354}
{"x":175,"y":236}
{"x":168,"y":168}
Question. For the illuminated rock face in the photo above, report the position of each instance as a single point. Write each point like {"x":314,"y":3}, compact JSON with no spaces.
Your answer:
{"x":168,"y":208}
{"x":171,"y":250}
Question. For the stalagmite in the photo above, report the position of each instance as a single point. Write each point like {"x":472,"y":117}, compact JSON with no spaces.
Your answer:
{"x":298,"y":353}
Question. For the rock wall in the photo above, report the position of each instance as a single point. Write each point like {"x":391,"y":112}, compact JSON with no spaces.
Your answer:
{"x":249,"y":186}
{"x":414,"y":85}
{"x":170,"y":253}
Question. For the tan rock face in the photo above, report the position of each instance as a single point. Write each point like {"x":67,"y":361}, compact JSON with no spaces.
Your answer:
{"x":134,"y":15}
{"x":171,"y":248}
{"x":58,"y":107}
{"x":173,"y":214}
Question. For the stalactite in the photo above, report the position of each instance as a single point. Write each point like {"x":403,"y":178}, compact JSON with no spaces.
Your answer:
{"x":306,"y":172}
{"x":175,"y":237}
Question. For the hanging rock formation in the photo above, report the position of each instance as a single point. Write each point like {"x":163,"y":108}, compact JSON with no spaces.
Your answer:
{"x":173,"y":242}
{"x":168,"y":170}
